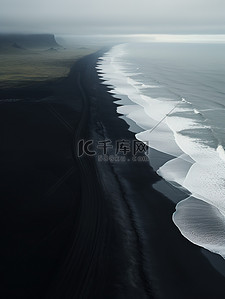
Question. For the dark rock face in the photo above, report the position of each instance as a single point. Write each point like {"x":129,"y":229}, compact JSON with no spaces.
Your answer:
{"x":29,"y":41}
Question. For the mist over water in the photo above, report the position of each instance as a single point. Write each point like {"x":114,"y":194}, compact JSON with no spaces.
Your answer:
{"x":187,"y":82}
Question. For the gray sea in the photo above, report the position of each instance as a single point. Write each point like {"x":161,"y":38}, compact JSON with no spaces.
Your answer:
{"x":173,"y":97}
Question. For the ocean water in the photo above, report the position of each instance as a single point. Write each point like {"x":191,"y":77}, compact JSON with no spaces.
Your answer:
{"x":173,"y":97}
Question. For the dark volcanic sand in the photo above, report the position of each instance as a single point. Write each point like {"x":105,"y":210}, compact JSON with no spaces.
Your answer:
{"x":79,"y":228}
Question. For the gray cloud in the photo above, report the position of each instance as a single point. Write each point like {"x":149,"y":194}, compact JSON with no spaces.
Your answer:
{"x":113,"y":16}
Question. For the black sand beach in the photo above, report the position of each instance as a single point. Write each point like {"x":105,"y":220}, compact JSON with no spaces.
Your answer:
{"x":77,"y":227}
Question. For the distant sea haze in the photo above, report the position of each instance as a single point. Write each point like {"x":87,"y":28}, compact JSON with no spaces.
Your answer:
{"x":187,"y":82}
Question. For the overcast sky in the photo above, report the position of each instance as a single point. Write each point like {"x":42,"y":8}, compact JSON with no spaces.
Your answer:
{"x":113,"y":16}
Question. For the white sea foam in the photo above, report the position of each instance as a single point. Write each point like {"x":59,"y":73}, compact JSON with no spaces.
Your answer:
{"x":221,"y":152}
{"x":199,"y":163}
{"x":196,"y":111}
{"x":175,"y":170}
{"x":149,"y":86}
{"x":201,"y":223}
{"x":185,"y":101}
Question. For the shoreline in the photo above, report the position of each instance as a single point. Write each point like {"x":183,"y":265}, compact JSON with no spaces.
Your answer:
{"x":152,"y":212}
{"x":114,"y":237}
